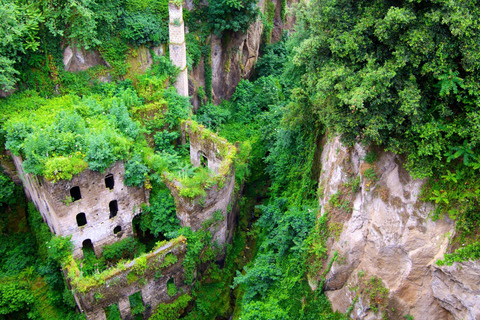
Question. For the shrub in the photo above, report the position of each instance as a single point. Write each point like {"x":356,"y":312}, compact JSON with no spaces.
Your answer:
{"x":143,"y":27}
{"x":135,"y":171}
{"x":119,"y":250}
{"x":171,"y":311}
{"x":7,"y":188}
{"x":60,"y":248}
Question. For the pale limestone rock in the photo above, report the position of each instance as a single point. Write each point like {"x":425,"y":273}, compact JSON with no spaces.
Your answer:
{"x":389,"y":234}
{"x":457,"y":289}
{"x":78,"y":59}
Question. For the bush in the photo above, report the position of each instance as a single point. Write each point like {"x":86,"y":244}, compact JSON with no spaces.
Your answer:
{"x":225,"y":15}
{"x":160,"y":217}
{"x":60,"y":248}
{"x":143,"y":27}
{"x":119,"y":250}
{"x":171,"y":311}
{"x":135,"y":171}
{"x":164,"y":140}
{"x":7,"y":188}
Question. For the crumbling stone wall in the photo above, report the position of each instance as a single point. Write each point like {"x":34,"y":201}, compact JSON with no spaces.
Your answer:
{"x":219,"y":156}
{"x":178,"y":50}
{"x":53,"y":200}
{"x":148,"y":275}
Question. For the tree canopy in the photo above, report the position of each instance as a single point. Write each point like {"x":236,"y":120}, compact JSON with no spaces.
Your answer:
{"x":402,"y":74}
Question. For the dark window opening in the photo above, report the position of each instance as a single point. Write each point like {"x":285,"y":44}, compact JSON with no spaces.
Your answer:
{"x":136,"y":305}
{"x":81,"y":219}
{"x":112,"y":312}
{"x":171,"y":288}
{"x":203,"y":160}
{"x":75,"y":193}
{"x":117,"y":229}
{"x":113,"y":205}
{"x":109,"y":182}
{"x":87,"y":248}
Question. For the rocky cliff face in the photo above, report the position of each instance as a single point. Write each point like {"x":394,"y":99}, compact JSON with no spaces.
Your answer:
{"x":233,"y":56}
{"x":387,"y":243}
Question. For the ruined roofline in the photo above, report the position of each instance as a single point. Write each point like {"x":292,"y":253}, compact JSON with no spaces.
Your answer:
{"x":225,"y":151}
{"x":221,"y":155}
{"x":85,"y":284}
{"x":148,"y":275}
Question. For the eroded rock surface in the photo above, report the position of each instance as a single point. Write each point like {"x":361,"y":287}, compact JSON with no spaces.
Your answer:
{"x":388,"y":234}
{"x":78,"y":59}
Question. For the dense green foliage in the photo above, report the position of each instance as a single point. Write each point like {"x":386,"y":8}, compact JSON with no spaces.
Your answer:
{"x":171,"y":311}
{"x":7,"y":188}
{"x":402,"y":75}
{"x":160,"y":217}
{"x":109,"y":25}
{"x":228,"y":15}
{"x":273,"y":285}
{"x":31,"y":284}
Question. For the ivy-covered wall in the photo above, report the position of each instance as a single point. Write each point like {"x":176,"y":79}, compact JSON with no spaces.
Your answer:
{"x":215,"y":204}
{"x":150,"y":274}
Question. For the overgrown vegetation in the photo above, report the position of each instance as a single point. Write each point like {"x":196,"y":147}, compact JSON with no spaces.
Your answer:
{"x":405,"y":77}
{"x":402,"y":75}
{"x":31,"y":284}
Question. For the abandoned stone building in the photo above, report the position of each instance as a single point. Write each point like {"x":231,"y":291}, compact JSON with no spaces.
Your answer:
{"x":208,"y":150}
{"x":97,"y":208}
{"x":94,"y":208}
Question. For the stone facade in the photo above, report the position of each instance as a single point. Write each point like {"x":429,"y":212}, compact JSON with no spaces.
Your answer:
{"x":218,"y":155}
{"x":150,"y":278}
{"x":102,"y":215}
{"x":178,"y":51}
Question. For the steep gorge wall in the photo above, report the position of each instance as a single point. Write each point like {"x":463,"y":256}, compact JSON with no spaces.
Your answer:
{"x":234,"y":55}
{"x":384,"y":230}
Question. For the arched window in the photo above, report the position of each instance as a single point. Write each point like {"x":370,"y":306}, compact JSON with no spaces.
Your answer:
{"x":87,"y":248}
{"x":113,"y":206}
{"x":81,"y":219}
{"x":75,"y":193}
{"x":171,"y":288}
{"x":109,"y":181}
{"x":117,"y":229}
{"x":203,"y":159}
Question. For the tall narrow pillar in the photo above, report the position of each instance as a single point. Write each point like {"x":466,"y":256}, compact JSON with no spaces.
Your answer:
{"x":178,"y":50}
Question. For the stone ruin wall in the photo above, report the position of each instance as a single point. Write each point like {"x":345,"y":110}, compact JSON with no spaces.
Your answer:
{"x":152,"y":284}
{"x":194,"y":212}
{"x":61,"y":216}
{"x":177,"y":47}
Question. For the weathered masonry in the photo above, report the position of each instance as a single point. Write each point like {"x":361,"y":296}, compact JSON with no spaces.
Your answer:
{"x":177,"y":47}
{"x":208,"y":150}
{"x":154,"y":278}
{"x":94,"y":208}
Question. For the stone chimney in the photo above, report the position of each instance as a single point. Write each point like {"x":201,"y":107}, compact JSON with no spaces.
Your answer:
{"x":178,"y":51}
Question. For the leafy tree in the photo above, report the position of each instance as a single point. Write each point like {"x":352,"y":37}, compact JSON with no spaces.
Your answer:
{"x":119,"y":250}
{"x":164,"y":139}
{"x":7,"y":188}
{"x":135,"y":171}
{"x":59,"y":247}
{"x":160,"y":217}
{"x":19,"y":33}
{"x":401,"y":74}
{"x":230,"y":15}
{"x":14,"y":297}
